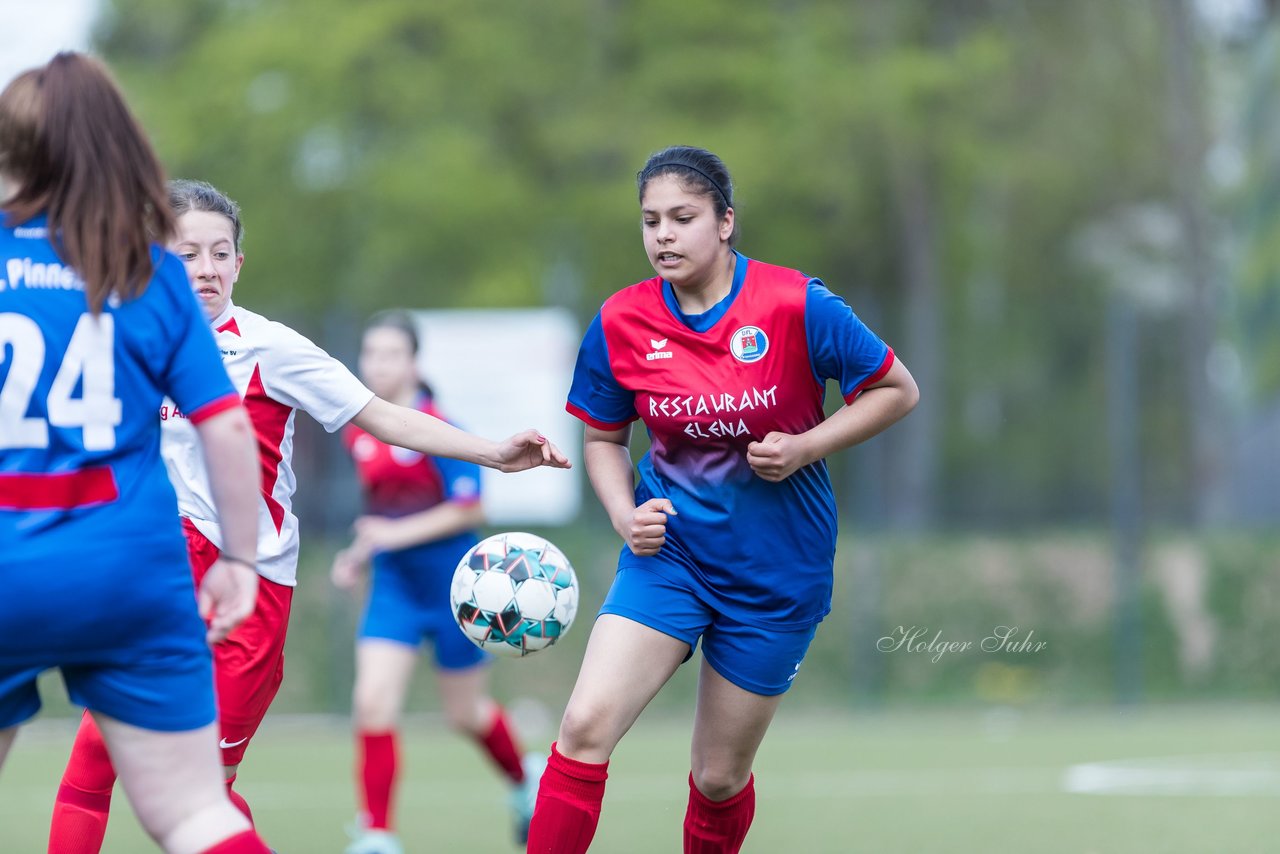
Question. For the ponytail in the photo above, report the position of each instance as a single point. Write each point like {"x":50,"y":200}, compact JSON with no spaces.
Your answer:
{"x":76,"y":152}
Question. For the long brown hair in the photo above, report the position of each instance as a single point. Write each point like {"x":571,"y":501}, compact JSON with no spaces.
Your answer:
{"x":76,"y":152}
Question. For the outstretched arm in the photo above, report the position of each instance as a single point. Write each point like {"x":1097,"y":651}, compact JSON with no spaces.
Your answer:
{"x":779,"y":455}
{"x":418,"y":431}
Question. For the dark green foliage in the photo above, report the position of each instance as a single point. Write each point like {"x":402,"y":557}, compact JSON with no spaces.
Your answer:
{"x":483,"y":154}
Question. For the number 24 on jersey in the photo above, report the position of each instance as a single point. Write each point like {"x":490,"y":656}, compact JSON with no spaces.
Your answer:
{"x":88,"y":361}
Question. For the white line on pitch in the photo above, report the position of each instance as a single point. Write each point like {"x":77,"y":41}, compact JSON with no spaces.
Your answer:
{"x":1231,"y":775}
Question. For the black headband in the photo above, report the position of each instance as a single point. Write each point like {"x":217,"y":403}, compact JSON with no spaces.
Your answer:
{"x":665,"y":163}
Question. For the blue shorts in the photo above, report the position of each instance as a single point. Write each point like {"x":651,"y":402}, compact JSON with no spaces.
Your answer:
{"x":161,"y":693}
{"x":760,"y":660}
{"x":123,"y":630}
{"x":409,"y":603}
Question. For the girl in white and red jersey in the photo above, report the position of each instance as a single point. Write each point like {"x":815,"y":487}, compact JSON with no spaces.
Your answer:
{"x":421,"y":517}
{"x":97,"y":325}
{"x":276,"y":372}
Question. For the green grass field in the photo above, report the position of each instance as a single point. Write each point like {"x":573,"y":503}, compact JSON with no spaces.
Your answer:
{"x":895,"y":781}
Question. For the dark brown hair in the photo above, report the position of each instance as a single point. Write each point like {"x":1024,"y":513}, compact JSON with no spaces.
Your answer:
{"x":76,"y":153}
{"x":699,"y":171}
{"x":186,"y":195}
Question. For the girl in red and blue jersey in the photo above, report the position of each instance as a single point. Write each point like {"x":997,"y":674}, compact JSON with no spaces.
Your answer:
{"x":421,"y":516}
{"x":730,"y":531}
{"x":97,"y":325}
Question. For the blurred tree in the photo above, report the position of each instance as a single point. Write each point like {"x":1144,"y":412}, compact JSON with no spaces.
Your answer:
{"x":932,"y":164}
{"x":1189,"y":145}
{"x":1257,"y":206}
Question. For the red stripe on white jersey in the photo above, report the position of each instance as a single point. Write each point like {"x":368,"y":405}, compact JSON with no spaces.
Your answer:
{"x":269,"y":418}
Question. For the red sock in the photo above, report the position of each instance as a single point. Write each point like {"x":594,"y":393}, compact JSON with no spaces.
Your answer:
{"x":502,"y":748}
{"x":568,"y":810}
{"x":84,"y":798}
{"x":247,"y":842}
{"x":377,"y":781}
{"x":238,"y":799}
{"x":718,"y":827}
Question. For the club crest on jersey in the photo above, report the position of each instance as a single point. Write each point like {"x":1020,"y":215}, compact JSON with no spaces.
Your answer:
{"x":749,"y":344}
{"x":658,"y":352}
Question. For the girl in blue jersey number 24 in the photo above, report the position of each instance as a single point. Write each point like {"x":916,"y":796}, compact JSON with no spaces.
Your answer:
{"x":730,"y":531}
{"x":97,"y":326}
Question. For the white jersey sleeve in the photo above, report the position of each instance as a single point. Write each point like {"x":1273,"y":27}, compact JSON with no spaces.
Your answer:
{"x":299,"y":374}
{"x":276,"y":372}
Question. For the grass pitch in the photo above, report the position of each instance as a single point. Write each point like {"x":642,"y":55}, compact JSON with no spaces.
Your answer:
{"x":1170,"y":780}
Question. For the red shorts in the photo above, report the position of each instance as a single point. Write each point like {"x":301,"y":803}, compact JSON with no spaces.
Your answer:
{"x":248,"y":666}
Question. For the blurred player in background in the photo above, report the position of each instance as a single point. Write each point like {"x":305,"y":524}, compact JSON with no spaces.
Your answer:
{"x":421,"y":518}
{"x":731,"y":531}
{"x":276,"y":371}
{"x":97,"y":325}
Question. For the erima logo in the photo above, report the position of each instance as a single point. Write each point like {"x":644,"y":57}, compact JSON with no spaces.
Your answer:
{"x":227,"y":745}
{"x":795,"y":673}
{"x":658,"y":352}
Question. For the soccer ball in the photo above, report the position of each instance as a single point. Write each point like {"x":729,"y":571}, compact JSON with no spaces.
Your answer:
{"x":514,"y":594}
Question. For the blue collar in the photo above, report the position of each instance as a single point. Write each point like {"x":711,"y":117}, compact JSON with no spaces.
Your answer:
{"x":709,"y":318}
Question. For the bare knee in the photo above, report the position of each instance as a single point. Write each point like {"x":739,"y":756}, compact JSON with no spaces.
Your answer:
{"x":372,"y":707}
{"x":471,"y":718}
{"x":586,"y":733}
{"x":719,"y":782}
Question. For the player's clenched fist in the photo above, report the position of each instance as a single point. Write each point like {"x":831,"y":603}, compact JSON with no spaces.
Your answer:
{"x":777,"y":456}
{"x":227,"y":595}
{"x":647,"y":530}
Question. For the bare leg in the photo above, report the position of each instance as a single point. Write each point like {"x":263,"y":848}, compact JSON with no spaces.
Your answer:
{"x":465,"y":697}
{"x":175,"y":783}
{"x":6,"y":741}
{"x":624,"y":667}
{"x":728,"y":727}
{"x":384,"y":669}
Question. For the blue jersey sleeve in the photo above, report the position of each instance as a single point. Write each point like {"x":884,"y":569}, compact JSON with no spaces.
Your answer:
{"x":193,"y":376}
{"x":461,"y":479}
{"x":595,"y":396}
{"x":841,"y":347}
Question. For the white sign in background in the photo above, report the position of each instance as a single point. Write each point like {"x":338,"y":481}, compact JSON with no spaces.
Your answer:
{"x":496,"y":372}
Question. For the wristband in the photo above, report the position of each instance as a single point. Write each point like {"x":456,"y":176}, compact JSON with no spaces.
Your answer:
{"x":239,"y":560}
